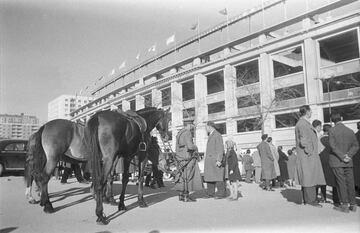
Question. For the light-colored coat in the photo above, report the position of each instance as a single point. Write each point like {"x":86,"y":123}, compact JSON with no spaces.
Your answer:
{"x":275,"y":155}
{"x":214,"y":152}
{"x":257,"y":159}
{"x":184,"y":144}
{"x":267,"y":161}
{"x":308,"y":164}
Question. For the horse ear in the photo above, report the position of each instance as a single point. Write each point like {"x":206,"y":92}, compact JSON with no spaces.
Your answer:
{"x":167,"y":111}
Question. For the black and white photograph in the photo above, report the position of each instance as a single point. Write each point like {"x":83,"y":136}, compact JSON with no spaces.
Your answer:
{"x":179,"y":116}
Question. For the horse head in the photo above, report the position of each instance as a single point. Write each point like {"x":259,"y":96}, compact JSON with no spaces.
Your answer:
{"x":157,"y":118}
{"x":163,"y":124}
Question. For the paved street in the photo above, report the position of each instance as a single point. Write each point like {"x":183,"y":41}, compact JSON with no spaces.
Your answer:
{"x":256,"y":211}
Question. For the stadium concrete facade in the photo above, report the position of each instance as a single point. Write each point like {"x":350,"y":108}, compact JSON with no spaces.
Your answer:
{"x":251,"y":82}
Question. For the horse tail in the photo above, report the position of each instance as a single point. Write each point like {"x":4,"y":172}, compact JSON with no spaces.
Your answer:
{"x":35,"y":157}
{"x":94,"y":150}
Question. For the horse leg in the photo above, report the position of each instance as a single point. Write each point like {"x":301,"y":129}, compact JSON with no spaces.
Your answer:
{"x":109,"y":197}
{"x":99,"y":187}
{"x":44,"y":180}
{"x":141,"y":201}
{"x":28,"y":191}
{"x":125,"y":180}
{"x":98,"y":190}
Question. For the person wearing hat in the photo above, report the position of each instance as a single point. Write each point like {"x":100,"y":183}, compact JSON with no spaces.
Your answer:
{"x":189,"y":178}
{"x":214,"y":171}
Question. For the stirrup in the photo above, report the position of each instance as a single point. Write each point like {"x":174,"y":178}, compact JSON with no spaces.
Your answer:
{"x":142,"y":146}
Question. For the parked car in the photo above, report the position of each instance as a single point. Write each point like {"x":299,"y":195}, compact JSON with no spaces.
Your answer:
{"x":12,"y":155}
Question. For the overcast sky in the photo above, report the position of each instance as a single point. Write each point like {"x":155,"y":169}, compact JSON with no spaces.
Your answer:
{"x":50,"y":48}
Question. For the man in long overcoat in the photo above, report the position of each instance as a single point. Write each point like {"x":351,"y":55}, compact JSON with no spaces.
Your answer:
{"x":284,"y":174}
{"x":267,"y":163}
{"x":356,"y":161}
{"x":344,"y":146}
{"x":275,"y":155}
{"x":309,"y":169}
{"x":257,"y":166}
{"x":248,"y":161}
{"x":189,"y":177}
{"x":214,"y":171}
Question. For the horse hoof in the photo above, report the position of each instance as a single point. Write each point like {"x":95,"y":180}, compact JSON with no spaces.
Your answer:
{"x":48,"y":209}
{"x":102,"y":221}
{"x":122,"y":208}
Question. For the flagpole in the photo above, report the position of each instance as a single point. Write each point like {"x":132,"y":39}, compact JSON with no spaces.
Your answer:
{"x":198,"y":32}
{"x":227,"y":24}
{"x":175,"y":47}
{"x":156,"y":60}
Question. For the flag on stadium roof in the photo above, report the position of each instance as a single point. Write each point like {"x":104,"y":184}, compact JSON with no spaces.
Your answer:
{"x":170,"y":40}
{"x":223,"y":11}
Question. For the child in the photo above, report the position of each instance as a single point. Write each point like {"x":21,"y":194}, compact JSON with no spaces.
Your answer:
{"x":291,"y":166}
{"x":233,"y":172}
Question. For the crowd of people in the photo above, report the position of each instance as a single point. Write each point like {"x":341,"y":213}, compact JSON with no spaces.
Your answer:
{"x":316,"y":161}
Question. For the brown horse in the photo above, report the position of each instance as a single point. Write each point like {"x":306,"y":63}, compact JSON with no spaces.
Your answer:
{"x":110,"y":135}
{"x":56,"y":140}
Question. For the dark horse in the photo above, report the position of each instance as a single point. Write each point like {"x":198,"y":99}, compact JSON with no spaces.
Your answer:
{"x":62,"y":140}
{"x":109,"y":138}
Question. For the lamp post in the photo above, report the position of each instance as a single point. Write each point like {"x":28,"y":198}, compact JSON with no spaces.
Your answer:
{"x":327,"y":78}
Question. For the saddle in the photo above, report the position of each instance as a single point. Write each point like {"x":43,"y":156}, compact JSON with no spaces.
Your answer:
{"x":134,"y":121}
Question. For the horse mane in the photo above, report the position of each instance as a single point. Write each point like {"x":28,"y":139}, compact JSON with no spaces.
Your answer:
{"x":147,"y":110}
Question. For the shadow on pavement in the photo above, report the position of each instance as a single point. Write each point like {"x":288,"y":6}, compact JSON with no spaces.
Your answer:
{"x":61,"y":195}
{"x":8,"y":229}
{"x":151,"y":196}
{"x":292,"y":195}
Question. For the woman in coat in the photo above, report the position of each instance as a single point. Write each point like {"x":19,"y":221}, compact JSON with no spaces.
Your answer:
{"x":233,"y":172}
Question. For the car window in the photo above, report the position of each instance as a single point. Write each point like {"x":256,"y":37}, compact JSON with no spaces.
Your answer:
{"x":15,"y":147}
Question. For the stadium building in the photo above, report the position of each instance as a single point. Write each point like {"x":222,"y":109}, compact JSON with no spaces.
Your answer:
{"x":251,"y":73}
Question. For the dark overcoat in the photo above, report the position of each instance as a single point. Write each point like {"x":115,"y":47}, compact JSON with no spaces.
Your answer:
{"x":248,"y":161}
{"x":191,"y":172}
{"x":291,"y":166}
{"x":356,"y":162}
{"x":342,"y":141}
{"x":267,"y":161}
{"x":308,"y":166}
{"x":233,"y":165}
{"x":284,"y":175}
{"x":214,"y":152}
{"x":324,"y":157}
